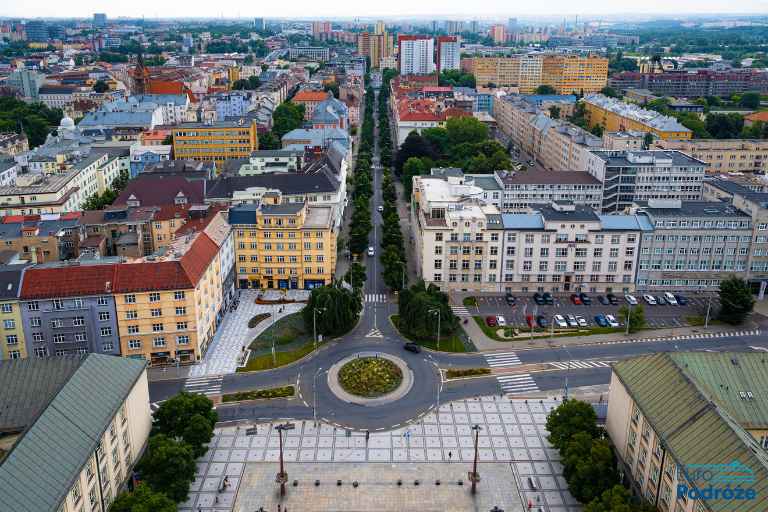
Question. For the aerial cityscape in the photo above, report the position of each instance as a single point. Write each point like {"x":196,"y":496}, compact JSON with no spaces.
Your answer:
{"x":402,"y":257}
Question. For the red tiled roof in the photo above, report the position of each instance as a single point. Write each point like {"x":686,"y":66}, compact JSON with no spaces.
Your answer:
{"x":162,"y":190}
{"x":757,"y":116}
{"x":68,"y":281}
{"x":310,"y":96}
{"x":150,"y":276}
{"x":15,"y":219}
{"x":198,"y":257}
{"x":172,"y":211}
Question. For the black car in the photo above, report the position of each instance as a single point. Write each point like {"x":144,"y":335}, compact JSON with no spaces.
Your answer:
{"x":603,"y":300}
{"x":538,"y":298}
{"x":412,"y":347}
{"x":548,"y":299}
{"x":542,"y":321}
{"x":681,"y":299}
{"x":585,"y":299}
{"x":612,"y":299}
{"x":511,"y":299}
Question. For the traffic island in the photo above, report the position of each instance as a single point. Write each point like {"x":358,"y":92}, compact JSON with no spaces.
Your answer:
{"x":370,"y":379}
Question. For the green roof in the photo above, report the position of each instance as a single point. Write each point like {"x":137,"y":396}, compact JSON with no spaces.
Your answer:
{"x":671,"y":391}
{"x":42,"y":466}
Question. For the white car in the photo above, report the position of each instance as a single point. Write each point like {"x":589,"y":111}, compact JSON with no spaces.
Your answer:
{"x":581,"y":321}
{"x":631,"y":299}
{"x":560,"y":321}
{"x":612,"y":320}
{"x":381,"y":208}
{"x":572,"y":321}
{"x":650,"y":299}
{"x":500,"y":321}
{"x":670,"y":299}
{"x":371,"y":252}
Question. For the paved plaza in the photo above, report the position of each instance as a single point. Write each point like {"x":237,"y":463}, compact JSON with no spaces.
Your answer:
{"x":512,"y":436}
{"x":222,"y":355}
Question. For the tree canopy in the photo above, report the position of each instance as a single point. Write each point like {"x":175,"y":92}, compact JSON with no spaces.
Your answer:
{"x":286,"y":117}
{"x":143,"y":499}
{"x":568,"y":419}
{"x":249,"y":84}
{"x":189,"y":417}
{"x":736,"y":300}
{"x":35,"y":119}
{"x":414,"y":305}
{"x":456,"y":78}
{"x":168,"y":466}
{"x":338,"y":309}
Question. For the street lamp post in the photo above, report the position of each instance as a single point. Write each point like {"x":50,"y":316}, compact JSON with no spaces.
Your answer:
{"x":629,"y":313}
{"x":314,"y":323}
{"x":314,"y":394}
{"x":274,"y":354}
{"x":474,"y":476}
{"x":709,"y":308}
{"x":282,"y":476}
{"x":568,"y":371}
{"x":436,"y":311}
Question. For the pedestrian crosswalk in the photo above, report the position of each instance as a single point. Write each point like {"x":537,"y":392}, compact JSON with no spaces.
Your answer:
{"x":376,"y":297}
{"x":502,"y":359}
{"x":575,"y":365}
{"x":460,"y":310}
{"x":209,"y":385}
{"x":516,"y":384}
{"x":374,"y":333}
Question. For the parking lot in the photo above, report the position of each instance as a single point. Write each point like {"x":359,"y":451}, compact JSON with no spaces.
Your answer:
{"x":658,"y":316}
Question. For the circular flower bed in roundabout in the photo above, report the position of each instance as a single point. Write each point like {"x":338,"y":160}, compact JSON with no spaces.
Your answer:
{"x":370,"y":377}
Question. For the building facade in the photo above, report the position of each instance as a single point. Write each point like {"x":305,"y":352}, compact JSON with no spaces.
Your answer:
{"x":12,"y":340}
{"x":416,"y":54}
{"x":728,"y":155}
{"x":616,"y":116}
{"x":448,"y":53}
{"x":217,"y":142}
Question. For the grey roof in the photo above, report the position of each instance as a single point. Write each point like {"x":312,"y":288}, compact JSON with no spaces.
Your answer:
{"x":738,"y":189}
{"x":117,"y":119}
{"x":625,"y":223}
{"x":52,"y":452}
{"x":542,"y":177}
{"x":522,"y":221}
{"x":451,"y":172}
{"x":486,"y":182}
{"x":619,"y":158}
{"x":580,"y":213}
{"x":281,"y":209}
{"x":696,"y":209}
{"x":266,"y":153}
{"x":289,"y":183}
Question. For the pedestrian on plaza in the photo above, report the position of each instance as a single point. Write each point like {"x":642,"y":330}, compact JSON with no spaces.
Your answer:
{"x":367,"y":435}
{"x":450,"y":455}
{"x":279,"y":508}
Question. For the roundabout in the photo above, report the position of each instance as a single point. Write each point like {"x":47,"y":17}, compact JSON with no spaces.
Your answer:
{"x":370,"y":378}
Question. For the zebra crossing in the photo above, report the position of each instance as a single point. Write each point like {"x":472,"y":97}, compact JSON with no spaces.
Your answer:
{"x":460,"y":310}
{"x":575,"y":365}
{"x":208,"y":385}
{"x":515,"y":384}
{"x":376,"y":297}
{"x":687,"y":337}
{"x":374,"y":333}
{"x":502,"y":359}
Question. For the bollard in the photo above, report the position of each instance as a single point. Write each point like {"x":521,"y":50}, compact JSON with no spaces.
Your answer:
{"x":317,"y":483}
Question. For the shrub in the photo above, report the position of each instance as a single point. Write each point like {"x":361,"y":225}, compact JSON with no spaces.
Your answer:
{"x":256,"y":394}
{"x":466,"y":372}
{"x":253,"y":322}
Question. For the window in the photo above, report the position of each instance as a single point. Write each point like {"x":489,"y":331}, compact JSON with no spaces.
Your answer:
{"x":158,"y":342}
{"x":35,"y":321}
{"x":154,"y":297}
{"x":9,"y":324}
{"x":182,"y":340}
{"x":179,"y":295}
{"x":58,"y":304}
{"x":41,"y":352}
{"x":33,"y":306}
{"x":12,"y":339}
{"x":134,"y":344}
{"x":105,"y":331}
{"x":103,"y":301}
{"x":129,"y":299}
{"x":7,"y":308}
{"x":78,"y":321}
{"x":103,"y":316}
{"x":181,"y":310}
{"x":181,"y":326}
{"x":131,"y":314}
{"x":57,"y":323}
{"x":37,"y":337}
{"x":76,"y":493}
{"x":156,"y":312}
{"x":157,"y":327}
{"x":77,"y":303}
{"x":133,"y":329}
{"x":80,"y":337}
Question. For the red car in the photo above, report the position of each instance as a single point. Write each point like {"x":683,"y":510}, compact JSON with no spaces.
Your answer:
{"x":491,"y":321}
{"x":576,"y":299}
{"x":530,"y":320}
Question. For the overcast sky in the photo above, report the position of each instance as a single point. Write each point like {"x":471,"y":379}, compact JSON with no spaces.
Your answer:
{"x":346,"y":8}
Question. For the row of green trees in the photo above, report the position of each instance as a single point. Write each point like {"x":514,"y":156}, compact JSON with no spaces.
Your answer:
{"x":463,"y":143}
{"x":286,"y":117}
{"x":337,"y":309}
{"x":589,"y":463}
{"x":393,"y":257}
{"x":385,"y":134}
{"x":181,"y":431}
{"x":36,"y":120}
{"x":419,"y":308}
{"x":362,"y":183}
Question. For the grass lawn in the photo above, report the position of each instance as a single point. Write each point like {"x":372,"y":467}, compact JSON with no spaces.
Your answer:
{"x":289,"y":329}
{"x":264,"y":362}
{"x":370,"y":377}
{"x":698,"y":321}
{"x":447,"y":343}
{"x":255,"y":394}
{"x":469,"y":302}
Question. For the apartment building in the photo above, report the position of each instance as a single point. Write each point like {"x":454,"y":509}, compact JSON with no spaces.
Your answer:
{"x":729,"y":155}
{"x":523,"y":191}
{"x":464,"y":243}
{"x":12,"y":341}
{"x":754,"y":204}
{"x":631,"y":176}
{"x":102,"y":402}
{"x":377,"y":47}
{"x":283,"y":245}
{"x":316,"y":53}
{"x":448,"y":53}
{"x":310,"y":99}
{"x":37,"y":239}
{"x":217,"y":142}
{"x":673,"y":415}
{"x":693,"y":83}
{"x":68,"y":309}
{"x":694,"y":245}
{"x":615,"y":115}
{"x":416,"y":54}
{"x":272,"y":160}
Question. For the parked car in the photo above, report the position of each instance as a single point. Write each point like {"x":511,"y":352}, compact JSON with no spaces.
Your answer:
{"x":612,"y":320}
{"x":613,"y":299}
{"x":412,"y":347}
{"x":500,"y":321}
{"x":538,"y":298}
{"x":601,"y":321}
{"x":585,"y":299}
{"x":490,"y":321}
{"x":603,"y":300}
{"x":560,"y":321}
{"x":511,"y":299}
{"x":650,"y":299}
{"x":571,"y":321}
{"x":660,"y":300}
{"x":530,"y":321}
{"x":582,"y":321}
{"x":371,"y":252}
{"x":671,"y":300}
{"x":542,"y":321}
{"x":548,"y":299}
{"x":631,"y":300}
{"x":681,"y":299}
{"x":576,"y":299}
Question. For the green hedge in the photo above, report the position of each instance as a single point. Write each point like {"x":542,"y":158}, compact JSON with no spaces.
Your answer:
{"x":253,"y":322}
{"x":256,"y":394}
{"x":466,"y":372}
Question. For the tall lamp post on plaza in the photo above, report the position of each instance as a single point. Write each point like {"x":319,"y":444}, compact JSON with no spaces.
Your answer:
{"x":629,"y":313}
{"x":709,"y":308}
{"x":436,"y":311}
{"x":474,"y":476}
{"x":314,"y":323}
{"x":568,"y":371}
{"x":282,"y":476}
